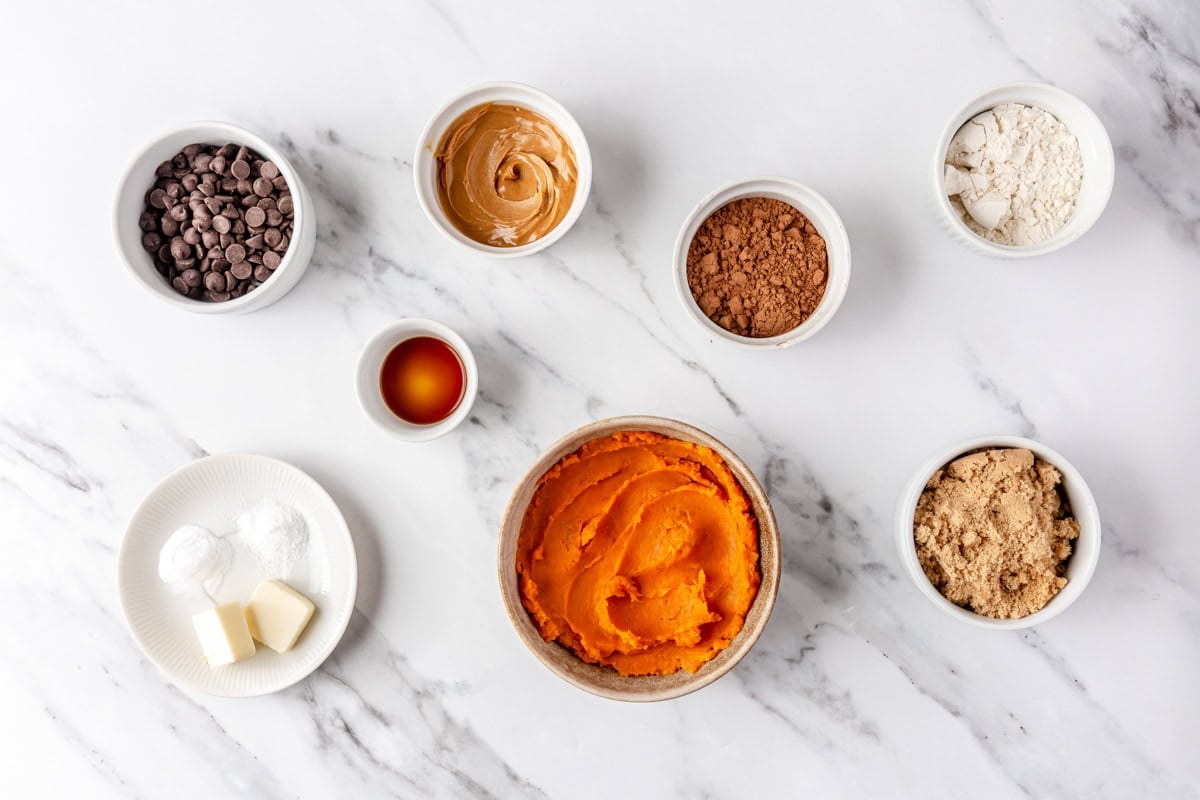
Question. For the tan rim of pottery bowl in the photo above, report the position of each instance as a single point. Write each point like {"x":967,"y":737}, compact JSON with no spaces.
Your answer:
{"x":601,"y":680}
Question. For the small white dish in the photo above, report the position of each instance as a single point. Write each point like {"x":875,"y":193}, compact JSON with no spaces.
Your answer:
{"x":212,"y":492}
{"x":809,"y":203}
{"x":370,"y":363}
{"x":1085,"y":550}
{"x":139,"y":177}
{"x":1094,"y":146}
{"x":517,"y":94}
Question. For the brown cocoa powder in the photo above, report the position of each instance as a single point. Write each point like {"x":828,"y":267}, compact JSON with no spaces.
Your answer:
{"x":757,"y":267}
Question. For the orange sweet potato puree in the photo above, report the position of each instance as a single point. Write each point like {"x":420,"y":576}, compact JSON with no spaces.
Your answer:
{"x":640,"y":552}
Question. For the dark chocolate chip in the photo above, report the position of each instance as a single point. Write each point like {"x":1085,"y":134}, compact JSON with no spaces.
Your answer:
{"x":179,"y":248}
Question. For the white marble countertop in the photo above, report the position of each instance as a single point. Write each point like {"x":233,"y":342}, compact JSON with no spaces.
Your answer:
{"x":859,"y":686}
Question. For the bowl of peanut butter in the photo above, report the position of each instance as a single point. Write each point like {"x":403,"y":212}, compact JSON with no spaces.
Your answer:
{"x":503,"y":169}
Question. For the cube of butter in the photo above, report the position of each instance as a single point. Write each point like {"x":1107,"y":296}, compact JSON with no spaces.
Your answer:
{"x":277,"y":614}
{"x":224,"y":635}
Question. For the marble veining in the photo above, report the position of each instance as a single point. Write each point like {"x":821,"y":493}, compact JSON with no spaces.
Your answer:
{"x":858,"y":687}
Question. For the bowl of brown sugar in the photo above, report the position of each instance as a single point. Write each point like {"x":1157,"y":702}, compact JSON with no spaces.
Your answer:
{"x":1000,"y":532}
{"x":763,"y":263}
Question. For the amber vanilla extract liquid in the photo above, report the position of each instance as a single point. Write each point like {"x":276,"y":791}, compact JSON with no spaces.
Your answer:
{"x":422,"y":380}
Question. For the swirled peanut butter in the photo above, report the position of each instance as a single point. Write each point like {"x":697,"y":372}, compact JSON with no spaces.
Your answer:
{"x":506,"y":175}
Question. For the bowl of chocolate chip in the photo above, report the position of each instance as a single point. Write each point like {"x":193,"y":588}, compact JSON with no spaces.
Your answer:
{"x":213,"y":219}
{"x":763,"y":263}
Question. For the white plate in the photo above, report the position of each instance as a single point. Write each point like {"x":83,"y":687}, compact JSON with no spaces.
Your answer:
{"x":211,"y":492}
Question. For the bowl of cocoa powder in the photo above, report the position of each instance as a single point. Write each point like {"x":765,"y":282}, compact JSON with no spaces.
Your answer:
{"x":763,"y":263}
{"x":1000,"y":532}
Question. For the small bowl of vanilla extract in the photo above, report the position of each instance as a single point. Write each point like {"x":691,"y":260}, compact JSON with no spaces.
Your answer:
{"x":417,"y":379}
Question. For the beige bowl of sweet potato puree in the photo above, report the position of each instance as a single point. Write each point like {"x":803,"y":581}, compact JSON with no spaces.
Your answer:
{"x":639,"y":558}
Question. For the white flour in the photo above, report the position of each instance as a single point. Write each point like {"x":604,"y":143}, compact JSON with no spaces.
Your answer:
{"x":1013,"y":174}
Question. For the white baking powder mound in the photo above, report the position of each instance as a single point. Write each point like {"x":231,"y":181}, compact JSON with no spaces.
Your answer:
{"x":275,"y":534}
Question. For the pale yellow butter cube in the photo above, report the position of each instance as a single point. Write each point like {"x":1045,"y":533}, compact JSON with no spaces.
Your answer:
{"x":277,"y":614}
{"x":224,"y":635}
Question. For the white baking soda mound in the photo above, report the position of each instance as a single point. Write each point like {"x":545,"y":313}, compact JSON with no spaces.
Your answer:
{"x":194,"y":556}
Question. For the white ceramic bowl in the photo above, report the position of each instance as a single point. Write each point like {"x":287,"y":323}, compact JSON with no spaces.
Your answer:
{"x":1094,"y":146}
{"x":518,"y":94}
{"x":810,"y":204}
{"x":370,"y":362}
{"x":1085,"y":549}
{"x":139,"y":177}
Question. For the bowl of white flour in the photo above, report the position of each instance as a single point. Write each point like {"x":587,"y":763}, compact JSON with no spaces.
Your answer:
{"x":1022,"y":170}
